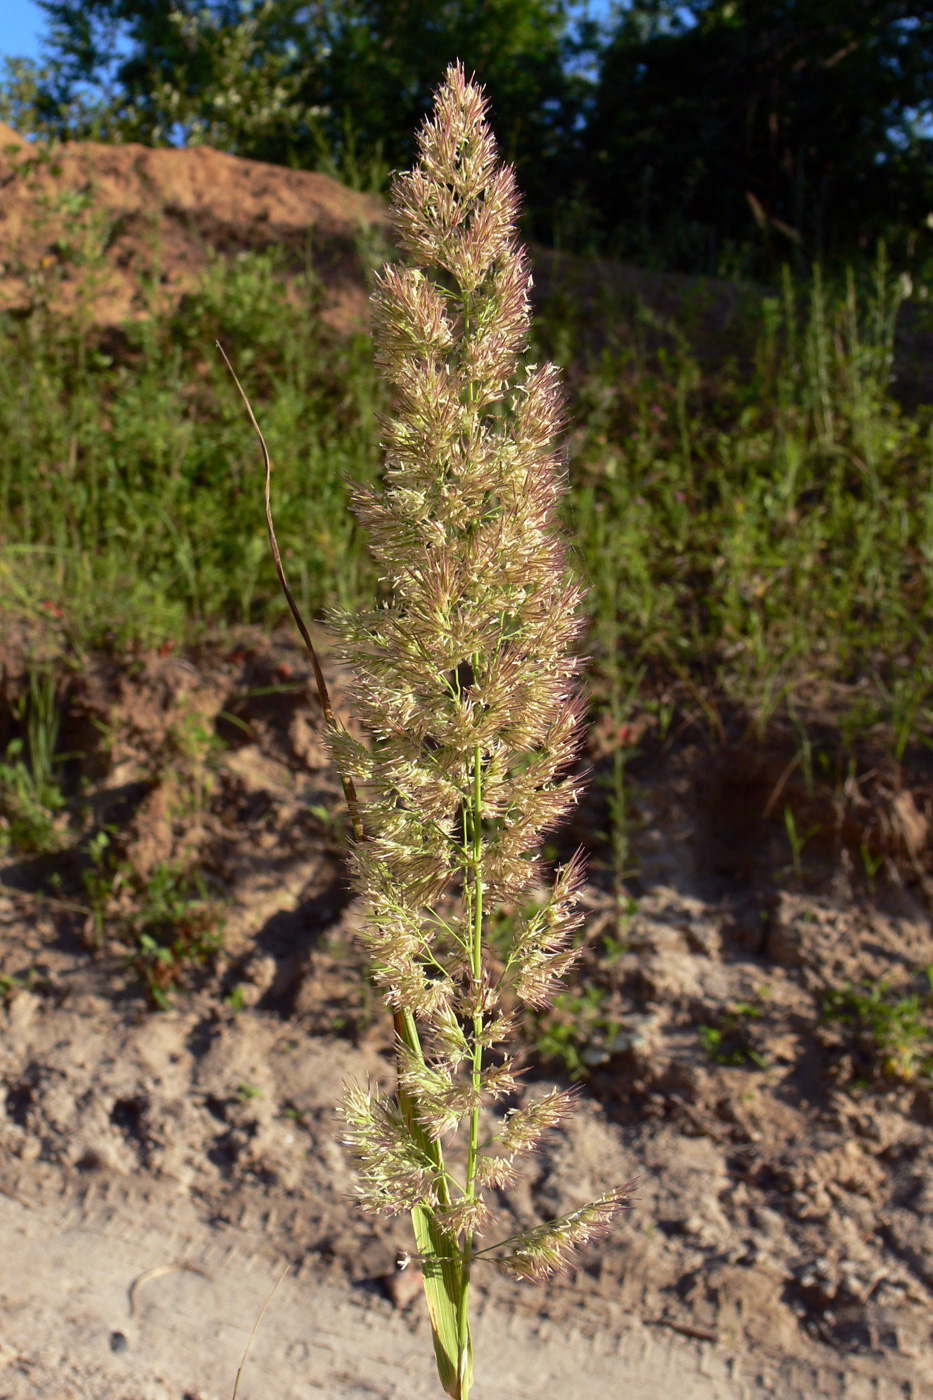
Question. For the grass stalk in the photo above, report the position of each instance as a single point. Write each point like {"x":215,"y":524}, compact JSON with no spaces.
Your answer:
{"x":465,"y":680}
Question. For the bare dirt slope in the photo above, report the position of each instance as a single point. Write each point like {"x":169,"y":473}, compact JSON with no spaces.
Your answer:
{"x":115,"y":233}
{"x":111,"y":233}
{"x":781,"y":1239}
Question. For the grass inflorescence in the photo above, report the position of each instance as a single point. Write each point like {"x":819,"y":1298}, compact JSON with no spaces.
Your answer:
{"x":465,"y":678}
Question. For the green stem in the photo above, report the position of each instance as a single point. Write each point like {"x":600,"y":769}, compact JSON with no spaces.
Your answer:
{"x":407,"y":1033}
{"x":476,"y":831}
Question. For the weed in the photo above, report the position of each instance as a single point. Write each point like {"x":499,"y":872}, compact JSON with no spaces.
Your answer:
{"x":30,"y":795}
{"x":578,"y":1032}
{"x":167,"y":922}
{"x":728,"y":1041}
{"x":146,"y":530}
{"x":872,"y":863}
{"x":101,"y":879}
{"x":236,"y":999}
{"x":898,"y":1030}
{"x":758,"y":537}
{"x":751,"y":537}
{"x":9,"y":983}
{"x":174,"y":927}
{"x":615,"y":946}
{"x":798,"y":839}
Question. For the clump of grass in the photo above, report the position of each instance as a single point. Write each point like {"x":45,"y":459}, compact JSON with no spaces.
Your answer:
{"x":465,"y":681}
{"x":31,"y":799}
{"x":146,"y":530}
{"x":897,"y":1030}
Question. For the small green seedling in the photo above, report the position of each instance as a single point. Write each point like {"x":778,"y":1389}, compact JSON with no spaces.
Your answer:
{"x":899,"y":1029}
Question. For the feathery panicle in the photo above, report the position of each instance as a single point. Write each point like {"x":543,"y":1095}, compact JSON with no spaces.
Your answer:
{"x":549,"y":1248}
{"x":524,"y":1126}
{"x":466,"y":682}
{"x":395,"y":1172}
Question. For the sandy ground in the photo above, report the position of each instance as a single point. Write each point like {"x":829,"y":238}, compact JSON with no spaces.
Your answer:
{"x":781,"y":1238}
{"x":70,"y":1331}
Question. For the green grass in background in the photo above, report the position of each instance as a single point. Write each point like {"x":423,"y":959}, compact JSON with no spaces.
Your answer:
{"x":764,"y":537}
{"x":758,"y":536}
{"x":130,"y":492}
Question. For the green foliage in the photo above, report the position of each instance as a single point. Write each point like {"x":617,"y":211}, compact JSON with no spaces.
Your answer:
{"x":899,"y":1029}
{"x":147,"y":486}
{"x":754,"y":537}
{"x":727,"y":135}
{"x":175,"y":928}
{"x":168,"y":922}
{"x":100,"y":878}
{"x":9,"y":983}
{"x":578,"y":1031}
{"x":30,"y":794}
{"x":728,"y":1041}
{"x":762,"y":538}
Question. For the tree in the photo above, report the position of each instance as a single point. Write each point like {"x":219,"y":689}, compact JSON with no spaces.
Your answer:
{"x":283,"y":80}
{"x":791,"y":125}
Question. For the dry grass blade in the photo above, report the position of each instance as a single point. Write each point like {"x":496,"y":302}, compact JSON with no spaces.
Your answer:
{"x":160,"y":1271}
{"x":256,"y":1325}
{"x":323,"y":693}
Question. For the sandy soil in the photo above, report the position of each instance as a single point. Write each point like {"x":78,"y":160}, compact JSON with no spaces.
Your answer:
{"x":115,"y":1303}
{"x":781,"y":1240}
{"x":108,"y":234}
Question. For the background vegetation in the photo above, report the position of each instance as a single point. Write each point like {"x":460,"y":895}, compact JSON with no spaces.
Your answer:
{"x":760,"y":532}
{"x":715,"y":135}
{"x":756,"y":520}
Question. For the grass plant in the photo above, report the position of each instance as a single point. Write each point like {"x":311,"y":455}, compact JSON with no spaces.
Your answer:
{"x":464,"y":678}
{"x":31,"y":798}
{"x":896,"y":1029}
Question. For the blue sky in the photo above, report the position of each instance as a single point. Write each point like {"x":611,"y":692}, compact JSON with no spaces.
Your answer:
{"x":23,"y":23}
{"x":20,"y":29}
